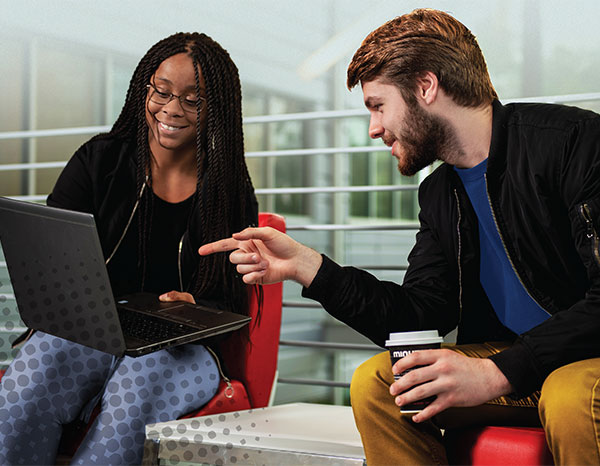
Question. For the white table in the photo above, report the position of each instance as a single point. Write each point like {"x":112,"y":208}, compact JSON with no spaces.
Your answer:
{"x":297,"y":433}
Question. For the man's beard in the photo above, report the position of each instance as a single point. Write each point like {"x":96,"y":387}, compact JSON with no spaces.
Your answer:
{"x":425,"y":139}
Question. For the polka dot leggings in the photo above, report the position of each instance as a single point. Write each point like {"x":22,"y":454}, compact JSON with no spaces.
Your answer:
{"x":51,"y":379}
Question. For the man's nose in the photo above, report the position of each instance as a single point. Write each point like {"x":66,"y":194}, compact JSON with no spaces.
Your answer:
{"x":375,"y":128}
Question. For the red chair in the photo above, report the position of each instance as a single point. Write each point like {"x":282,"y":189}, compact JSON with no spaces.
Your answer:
{"x":252,"y":365}
{"x":498,"y":446}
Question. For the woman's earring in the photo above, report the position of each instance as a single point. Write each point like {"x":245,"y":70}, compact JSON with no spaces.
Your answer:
{"x":213,"y":142}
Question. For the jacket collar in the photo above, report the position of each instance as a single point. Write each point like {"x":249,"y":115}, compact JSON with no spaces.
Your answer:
{"x":497,"y":153}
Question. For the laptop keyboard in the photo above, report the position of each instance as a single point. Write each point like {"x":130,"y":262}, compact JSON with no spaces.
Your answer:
{"x":151,"y":328}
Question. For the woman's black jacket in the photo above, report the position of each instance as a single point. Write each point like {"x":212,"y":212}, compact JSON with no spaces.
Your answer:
{"x":100,"y":179}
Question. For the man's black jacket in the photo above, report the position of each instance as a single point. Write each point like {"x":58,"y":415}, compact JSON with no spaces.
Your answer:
{"x":543,"y":183}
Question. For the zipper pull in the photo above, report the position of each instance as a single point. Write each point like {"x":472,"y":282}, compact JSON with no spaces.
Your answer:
{"x":229,"y":390}
{"x":588,"y":220}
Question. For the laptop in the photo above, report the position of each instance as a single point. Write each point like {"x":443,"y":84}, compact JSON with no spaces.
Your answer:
{"x":61,"y":286}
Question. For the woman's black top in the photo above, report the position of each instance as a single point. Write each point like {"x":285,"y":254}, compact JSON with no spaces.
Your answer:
{"x":169,"y":222}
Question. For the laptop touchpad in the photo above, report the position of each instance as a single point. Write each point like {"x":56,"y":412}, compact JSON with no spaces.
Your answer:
{"x":190,"y":314}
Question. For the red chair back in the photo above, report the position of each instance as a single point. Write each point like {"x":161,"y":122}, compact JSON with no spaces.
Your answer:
{"x":252,"y":365}
{"x":256,"y":364}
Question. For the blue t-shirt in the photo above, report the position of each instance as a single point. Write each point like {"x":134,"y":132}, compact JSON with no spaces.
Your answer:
{"x":513,"y":305}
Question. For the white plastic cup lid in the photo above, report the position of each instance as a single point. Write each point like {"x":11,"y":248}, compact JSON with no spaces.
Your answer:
{"x":414,"y":338}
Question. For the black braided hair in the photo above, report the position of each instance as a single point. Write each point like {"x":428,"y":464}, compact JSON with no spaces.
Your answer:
{"x":223,"y":188}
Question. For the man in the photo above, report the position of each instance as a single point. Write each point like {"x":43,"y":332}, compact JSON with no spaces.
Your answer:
{"x":507,"y":250}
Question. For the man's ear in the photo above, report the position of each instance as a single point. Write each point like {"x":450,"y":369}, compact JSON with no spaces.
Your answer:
{"x":427,"y":87}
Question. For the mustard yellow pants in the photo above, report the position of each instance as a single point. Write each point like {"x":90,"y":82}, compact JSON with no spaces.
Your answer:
{"x":568,"y":407}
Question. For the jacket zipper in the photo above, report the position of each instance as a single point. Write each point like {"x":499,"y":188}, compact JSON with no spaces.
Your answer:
{"x":229,"y":391}
{"x":460,"y":289}
{"x":179,"y":262}
{"x":137,"y":202}
{"x":591,"y":231}
{"x":512,"y":265}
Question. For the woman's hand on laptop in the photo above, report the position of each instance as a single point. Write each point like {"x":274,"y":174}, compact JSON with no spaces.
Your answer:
{"x":177,"y":296}
{"x":265,"y":255}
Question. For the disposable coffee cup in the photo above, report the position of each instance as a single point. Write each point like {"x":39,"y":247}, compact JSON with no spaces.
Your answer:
{"x":404,"y":343}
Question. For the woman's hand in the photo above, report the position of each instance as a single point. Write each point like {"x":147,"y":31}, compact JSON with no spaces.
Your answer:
{"x":177,"y":296}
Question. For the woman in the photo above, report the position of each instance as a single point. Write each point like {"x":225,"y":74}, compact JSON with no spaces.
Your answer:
{"x":168,"y":177}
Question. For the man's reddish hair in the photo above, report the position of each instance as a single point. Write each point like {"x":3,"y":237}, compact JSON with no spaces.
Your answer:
{"x":425,"y":40}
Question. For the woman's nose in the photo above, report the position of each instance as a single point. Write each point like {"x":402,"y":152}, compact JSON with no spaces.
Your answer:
{"x":173,"y":107}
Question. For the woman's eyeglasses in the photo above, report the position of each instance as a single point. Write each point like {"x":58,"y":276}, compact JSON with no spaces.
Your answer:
{"x":188,"y":103}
